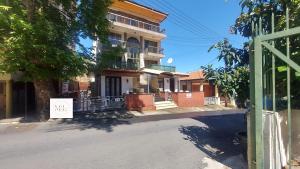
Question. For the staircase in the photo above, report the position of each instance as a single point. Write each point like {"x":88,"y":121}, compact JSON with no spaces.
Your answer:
{"x":164,"y":105}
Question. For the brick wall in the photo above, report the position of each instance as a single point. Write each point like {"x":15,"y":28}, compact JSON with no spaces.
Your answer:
{"x":139,"y":102}
{"x":193,"y":99}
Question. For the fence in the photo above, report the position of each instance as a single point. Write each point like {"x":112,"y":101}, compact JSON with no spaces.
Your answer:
{"x":98,"y":103}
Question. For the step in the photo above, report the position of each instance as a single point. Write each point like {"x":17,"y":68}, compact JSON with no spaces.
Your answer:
{"x":165,"y":105}
{"x":163,"y":102}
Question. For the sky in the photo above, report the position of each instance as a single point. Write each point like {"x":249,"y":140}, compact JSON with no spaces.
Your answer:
{"x":192,"y":27}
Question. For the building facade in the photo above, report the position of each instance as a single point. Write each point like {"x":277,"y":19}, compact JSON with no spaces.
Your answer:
{"x":135,"y":28}
{"x":196,"y":82}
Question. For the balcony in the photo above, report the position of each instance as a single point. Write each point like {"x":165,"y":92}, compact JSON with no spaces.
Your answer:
{"x":133,"y":22}
{"x":122,"y":65}
{"x":154,"y":53}
{"x":152,"y":49}
{"x":162,"y":68}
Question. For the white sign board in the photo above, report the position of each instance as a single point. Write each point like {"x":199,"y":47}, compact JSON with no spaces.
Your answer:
{"x":61,"y":108}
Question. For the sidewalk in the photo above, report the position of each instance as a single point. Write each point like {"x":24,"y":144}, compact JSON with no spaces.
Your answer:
{"x":181,"y":110}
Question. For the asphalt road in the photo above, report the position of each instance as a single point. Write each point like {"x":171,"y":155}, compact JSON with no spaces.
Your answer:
{"x":189,"y":141}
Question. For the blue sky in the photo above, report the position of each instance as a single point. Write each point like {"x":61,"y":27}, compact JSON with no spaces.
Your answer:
{"x":187,"y":42}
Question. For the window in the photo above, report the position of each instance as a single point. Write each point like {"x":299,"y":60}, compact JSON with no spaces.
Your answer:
{"x":151,"y":46}
{"x":150,"y":62}
{"x":149,"y":43}
{"x":114,"y":38}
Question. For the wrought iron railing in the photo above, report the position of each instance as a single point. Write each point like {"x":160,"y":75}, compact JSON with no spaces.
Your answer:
{"x":133,"y":22}
{"x":98,"y":103}
{"x":162,"y":67}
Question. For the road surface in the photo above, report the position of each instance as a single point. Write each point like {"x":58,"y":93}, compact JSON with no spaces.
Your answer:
{"x":189,"y":141}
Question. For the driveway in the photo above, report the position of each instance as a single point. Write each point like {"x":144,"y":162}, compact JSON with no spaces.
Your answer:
{"x":191,"y":141}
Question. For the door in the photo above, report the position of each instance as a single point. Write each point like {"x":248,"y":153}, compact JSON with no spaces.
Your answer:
{"x":2,"y":99}
{"x":172,"y":84}
{"x":113,"y":86}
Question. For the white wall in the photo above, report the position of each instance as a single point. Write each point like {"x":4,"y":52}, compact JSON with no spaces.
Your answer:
{"x":176,"y":84}
{"x":127,"y":84}
{"x":167,"y":84}
{"x":142,"y":60}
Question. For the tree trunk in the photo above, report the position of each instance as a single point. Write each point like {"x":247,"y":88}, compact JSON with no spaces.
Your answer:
{"x":44,"y":90}
{"x":226,"y":104}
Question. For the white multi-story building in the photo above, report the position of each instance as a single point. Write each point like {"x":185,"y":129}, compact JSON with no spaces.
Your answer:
{"x":136,"y":28}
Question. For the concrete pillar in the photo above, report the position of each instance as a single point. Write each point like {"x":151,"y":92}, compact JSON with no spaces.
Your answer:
{"x":201,"y":87}
{"x":216,"y":91}
{"x":176,"y":82}
{"x":8,"y":88}
{"x":126,"y":53}
{"x":103,"y":86}
{"x":167,"y":84}
{"x":142,"y":62}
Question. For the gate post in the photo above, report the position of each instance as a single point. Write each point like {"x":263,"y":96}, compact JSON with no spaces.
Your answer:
{"x":256,"y":116}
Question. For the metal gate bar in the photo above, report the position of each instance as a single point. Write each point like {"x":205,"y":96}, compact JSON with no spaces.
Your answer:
{"x":259,"y":83}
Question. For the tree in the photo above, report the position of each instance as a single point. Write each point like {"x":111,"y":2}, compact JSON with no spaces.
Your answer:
{"x":254,"y":10}
{"x":226,"y":53}
{"x":233,"y":78}
{"x":38,"y":38}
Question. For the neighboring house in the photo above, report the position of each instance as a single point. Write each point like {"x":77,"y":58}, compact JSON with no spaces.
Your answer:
{"x":14,"y":93}
{"x":196,"y":82}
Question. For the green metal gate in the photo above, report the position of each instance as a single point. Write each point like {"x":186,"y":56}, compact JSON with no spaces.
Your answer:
{"x":274,"y":74}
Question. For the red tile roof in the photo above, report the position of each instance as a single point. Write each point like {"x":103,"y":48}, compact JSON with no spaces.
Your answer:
{"x":194,"y":75}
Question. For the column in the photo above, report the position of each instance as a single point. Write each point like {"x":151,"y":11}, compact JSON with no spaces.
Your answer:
{"x":103,"y":86}
{"x":201,"y":86}
{"x":126,"y":53}
{"x":216,"y":91}
{"x":142,"y":62}
{"x":8,"y":88}
{"x":218,"y":100}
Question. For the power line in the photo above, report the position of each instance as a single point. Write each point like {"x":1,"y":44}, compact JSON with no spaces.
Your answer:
{"x":187,"y":19}
{"x":193,"y":21}
{"x":178,"y":21}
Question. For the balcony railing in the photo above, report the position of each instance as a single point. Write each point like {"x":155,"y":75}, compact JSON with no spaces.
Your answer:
{"x":153,"y":49}
{"x":162,"y":67}
{"x":122,"y":65}
{"x":133,"y":22}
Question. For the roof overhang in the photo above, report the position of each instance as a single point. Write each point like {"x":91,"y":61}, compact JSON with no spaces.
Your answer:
{"x":121,"y":72}
{"x":160,"y":72}
{"x":139,"y":10}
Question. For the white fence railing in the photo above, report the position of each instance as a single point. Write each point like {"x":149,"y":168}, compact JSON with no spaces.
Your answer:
{"x":133,"y":22}
{"x":98,"y":103}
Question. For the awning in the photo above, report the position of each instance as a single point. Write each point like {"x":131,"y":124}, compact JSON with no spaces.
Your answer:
{"x":158,"y":72}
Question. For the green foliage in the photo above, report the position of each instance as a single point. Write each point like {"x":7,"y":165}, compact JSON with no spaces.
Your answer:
{"x":38,"y":37}
{"x":110,"y":55}
{"x":233,"y":79}
{"x":226,"y":52}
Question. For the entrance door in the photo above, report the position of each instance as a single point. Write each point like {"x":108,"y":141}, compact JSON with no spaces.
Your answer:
{"x":2,"y":99}
{"x":113,"y":86}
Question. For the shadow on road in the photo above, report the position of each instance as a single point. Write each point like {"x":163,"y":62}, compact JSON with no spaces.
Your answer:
{"x":98,"y":120}
{"x":108,"y":120}
{"x":217,"y":138}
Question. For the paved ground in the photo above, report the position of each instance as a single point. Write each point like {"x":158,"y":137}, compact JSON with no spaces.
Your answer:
{"x":180,"y":141}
